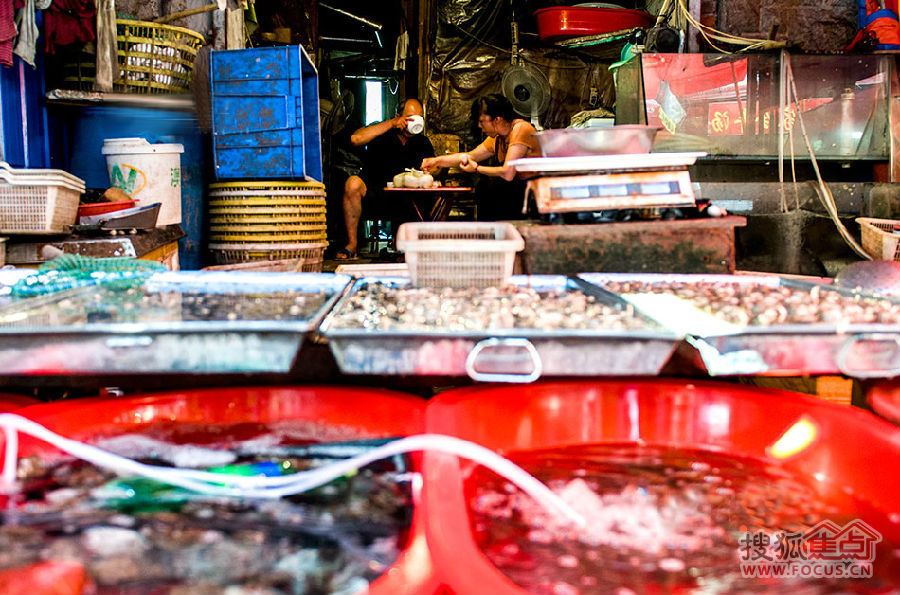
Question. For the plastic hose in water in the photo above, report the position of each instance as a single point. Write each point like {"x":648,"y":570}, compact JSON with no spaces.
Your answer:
{"x":218,"y":484}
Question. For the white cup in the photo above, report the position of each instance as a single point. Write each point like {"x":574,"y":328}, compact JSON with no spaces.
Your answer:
{"x":415,"y":124}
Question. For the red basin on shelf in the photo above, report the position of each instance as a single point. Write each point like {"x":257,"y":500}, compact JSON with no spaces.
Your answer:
{"x":100,"y":208}
{"x":561,"y":22}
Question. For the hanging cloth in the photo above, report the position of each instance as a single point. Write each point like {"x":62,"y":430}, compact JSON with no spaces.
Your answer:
{"x":401,"y":50}
{"x":107,"y":48}
{"x":69,"y":21}
{"x":7,"y":32}
{"x":26,"y":44}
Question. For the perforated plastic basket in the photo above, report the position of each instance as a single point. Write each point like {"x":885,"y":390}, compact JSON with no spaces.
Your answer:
{"x":254,"y":220}
{"x":264,"y":212}
{"x":310,"y":253}
{"x":37,"y":208}
{"x":273,"y":228}
{"x":274,"y":238}
{"x":152,"y":58}
{"x":878,"y":238}
{"x":155,"y":58}
{"x":459,"y":253}
{"x":252,"y":203}
{"x":273,"y":186}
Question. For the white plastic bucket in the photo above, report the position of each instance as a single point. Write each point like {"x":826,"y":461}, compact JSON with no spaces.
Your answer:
{"x":149,"y":173}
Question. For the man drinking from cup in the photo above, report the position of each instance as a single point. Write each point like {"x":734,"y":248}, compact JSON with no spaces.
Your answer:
{"x":392,"y":146}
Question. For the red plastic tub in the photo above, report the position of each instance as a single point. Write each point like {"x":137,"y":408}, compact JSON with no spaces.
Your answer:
{"x":13,"y":402}
{"x":561,"y":22}
{"x":852,"y":449}
{"x":99,"y":208}
{"x":370,"y":413}
{"x":884,"y":398}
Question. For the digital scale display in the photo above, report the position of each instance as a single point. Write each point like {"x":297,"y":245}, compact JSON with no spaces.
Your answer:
{"x":616,"y":189}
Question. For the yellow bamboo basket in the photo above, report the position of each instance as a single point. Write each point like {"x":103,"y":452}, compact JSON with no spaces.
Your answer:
{"x":155,"y":58}
{"x":152,"y":59}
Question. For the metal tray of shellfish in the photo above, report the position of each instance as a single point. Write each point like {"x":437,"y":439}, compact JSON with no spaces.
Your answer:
{"x":536,"y":326}
{"x":173,"y":322}
{"x":749,"y":324}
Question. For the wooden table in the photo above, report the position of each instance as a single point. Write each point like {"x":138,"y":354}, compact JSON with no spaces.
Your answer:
{"x":443,"y":199}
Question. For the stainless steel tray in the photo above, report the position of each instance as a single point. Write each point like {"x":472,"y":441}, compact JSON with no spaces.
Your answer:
{"x":500,"y":354}
{"x":861,"y":350}
{"x":196,"y":322}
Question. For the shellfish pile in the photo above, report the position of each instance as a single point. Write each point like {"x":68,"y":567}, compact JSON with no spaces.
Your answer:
{"x":382,"y":307}
{"x":754,"y":304}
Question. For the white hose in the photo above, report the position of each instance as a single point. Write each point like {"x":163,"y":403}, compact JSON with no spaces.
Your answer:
{"x":10,"y":459}
{"x":218,"y":484}
{"x":822,"y":190}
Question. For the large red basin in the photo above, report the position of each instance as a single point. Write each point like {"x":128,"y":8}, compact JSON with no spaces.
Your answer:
{"x":561,"y":22}
{"x":851,"y":448}
{"x":372,"y":413}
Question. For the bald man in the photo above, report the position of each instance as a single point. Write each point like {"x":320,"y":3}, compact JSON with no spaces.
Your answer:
{"x":390,"y":149}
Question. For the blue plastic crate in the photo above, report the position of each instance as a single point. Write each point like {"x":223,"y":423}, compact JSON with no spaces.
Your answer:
{"x":265,"y":114}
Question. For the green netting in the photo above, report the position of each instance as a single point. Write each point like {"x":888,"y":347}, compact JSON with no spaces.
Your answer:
{"x":72,"y":270}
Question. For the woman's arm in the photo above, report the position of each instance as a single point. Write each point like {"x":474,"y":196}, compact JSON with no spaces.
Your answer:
{"x":505,"y":171}
{"x":465,"y":161}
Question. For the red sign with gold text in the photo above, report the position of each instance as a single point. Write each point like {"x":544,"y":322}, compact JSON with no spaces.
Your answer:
{"x":725,"y":118}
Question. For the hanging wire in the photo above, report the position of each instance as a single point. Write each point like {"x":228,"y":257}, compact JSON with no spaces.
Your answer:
{"x":218,"y":484}
{"x":822,"y":190}
{"x":794,"y":170}
{"x":509,"y":52}
{"x":709,"y":34}
{"x":784,"y":101}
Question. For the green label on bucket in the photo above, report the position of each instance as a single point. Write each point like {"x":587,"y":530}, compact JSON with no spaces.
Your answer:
{"x":117,"y":179}
{"x":175,"y":176}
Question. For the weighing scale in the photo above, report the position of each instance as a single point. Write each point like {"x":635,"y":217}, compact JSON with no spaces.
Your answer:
{"x":608,"y":182}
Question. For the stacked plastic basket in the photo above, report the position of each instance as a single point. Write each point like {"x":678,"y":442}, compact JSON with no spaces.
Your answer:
{"x":38,"y":201}
{"x":268,"y":220}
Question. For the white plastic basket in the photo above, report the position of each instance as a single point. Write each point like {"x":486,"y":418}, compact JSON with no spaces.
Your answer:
{"x":459,"y":253}
{"x":310,"y":253}
{"x":37,"y":209}
{"x":878,"y":238}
